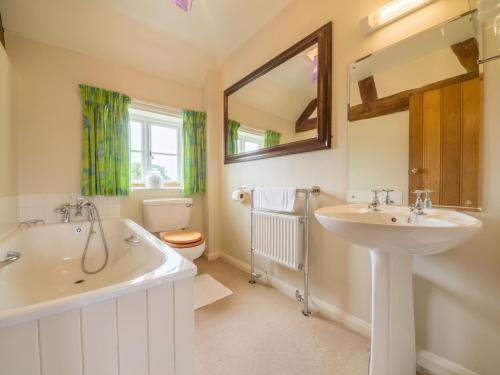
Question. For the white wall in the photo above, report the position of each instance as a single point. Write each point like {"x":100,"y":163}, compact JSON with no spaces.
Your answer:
{"x":456,"y":293}
{"x":49,"y":116}
{"x":8,"y":149}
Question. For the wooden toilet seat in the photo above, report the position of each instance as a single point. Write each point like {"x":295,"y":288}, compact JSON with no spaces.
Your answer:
{"x":181,"y":239}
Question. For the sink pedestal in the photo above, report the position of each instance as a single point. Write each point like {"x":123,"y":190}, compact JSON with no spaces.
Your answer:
{"x":393,"y":324}
{"x":393,"y":242}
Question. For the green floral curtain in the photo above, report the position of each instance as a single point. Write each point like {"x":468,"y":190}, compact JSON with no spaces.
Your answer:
{"x":271,"y":138}
{"x":105,"y":151}
{"x":232,"y":137}
{"x":194,"y":140}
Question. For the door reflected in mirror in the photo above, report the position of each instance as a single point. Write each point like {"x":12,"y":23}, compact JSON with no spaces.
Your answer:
{"x":415,"y":118}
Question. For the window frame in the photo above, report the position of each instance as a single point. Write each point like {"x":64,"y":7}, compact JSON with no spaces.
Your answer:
{"x":148,"y":119}
{"x":250,"y":135}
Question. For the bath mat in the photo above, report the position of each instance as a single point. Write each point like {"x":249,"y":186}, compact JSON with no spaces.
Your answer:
{"x":207,"y":290}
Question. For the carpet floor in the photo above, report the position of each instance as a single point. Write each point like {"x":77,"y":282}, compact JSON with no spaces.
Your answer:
{"x":259,"y":331}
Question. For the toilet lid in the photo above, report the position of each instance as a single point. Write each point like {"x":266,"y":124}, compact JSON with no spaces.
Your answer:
{"x":182,"y":237}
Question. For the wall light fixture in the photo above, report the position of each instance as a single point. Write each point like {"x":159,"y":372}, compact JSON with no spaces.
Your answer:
{"x":391,"y":12}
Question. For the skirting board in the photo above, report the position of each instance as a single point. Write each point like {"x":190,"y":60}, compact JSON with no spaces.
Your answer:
{"x":429,"y":362}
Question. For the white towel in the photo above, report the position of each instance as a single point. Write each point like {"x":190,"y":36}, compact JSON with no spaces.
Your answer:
{"x":275,"y":198}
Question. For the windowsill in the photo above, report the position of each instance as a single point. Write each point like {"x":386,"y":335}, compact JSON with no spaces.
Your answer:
{"x":171,"y":188}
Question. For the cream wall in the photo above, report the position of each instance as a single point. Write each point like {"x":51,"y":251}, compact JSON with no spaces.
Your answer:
{"x":456,"y":293}
{"x":49,"y":116}
{"x":378,"y":151}
{"x":8,"y":149}
{"x":431,"y":68}
{"x":257,"y":119}
{"x":9,"y":207}
{"x":215,"y":140}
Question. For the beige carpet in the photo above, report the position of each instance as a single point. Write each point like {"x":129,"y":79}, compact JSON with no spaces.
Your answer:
{"x":259,"y":331}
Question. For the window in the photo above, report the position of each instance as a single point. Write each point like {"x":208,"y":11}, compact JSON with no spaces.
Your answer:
{"x":155,"y":145}
{"x":250,"y":140}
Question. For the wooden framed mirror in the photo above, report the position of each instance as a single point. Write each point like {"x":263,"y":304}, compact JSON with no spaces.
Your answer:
{"x":283,"y":107}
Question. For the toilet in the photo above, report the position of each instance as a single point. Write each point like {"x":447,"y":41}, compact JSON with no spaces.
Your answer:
{"x":168,"y":218}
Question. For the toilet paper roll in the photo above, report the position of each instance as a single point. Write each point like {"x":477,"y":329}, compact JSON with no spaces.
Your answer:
{"x":238,"y":195}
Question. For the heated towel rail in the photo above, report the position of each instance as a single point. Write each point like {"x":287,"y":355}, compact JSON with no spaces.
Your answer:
{"x":283,"y":238}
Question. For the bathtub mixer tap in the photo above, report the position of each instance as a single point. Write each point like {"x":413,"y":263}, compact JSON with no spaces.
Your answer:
{"x":94,"y":216}
{"x":65,"y":210}
{"x":81,"y":203}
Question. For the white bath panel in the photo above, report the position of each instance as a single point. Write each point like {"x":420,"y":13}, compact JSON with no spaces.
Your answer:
{"x":99,"y":339}
{"x":133,"y":334}
{"x":60,"y":344}
{"x":19,"y":349}
{"x":161,"y":330}
{"x":184,"y":326}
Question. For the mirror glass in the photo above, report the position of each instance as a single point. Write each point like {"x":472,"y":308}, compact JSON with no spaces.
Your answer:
{"x":277,"y":108}
{"x":415,"y":118}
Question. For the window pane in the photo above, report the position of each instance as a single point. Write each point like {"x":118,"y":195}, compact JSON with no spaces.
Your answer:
{"x":251,"y":146}
{"x":136,"y":167}
{"x":164,"y":139}
{"x":136,"y":135}
{"x":167,"y":166}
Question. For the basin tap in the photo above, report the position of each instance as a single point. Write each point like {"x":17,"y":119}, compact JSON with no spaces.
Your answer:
{"x":388,"y":201}
{"x":427,"y":200}
{"x":418,"y":208}
{"x":374,"y":205}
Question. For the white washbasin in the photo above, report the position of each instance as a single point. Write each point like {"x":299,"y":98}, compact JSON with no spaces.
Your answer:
{"x":393,"y":241}
{"x":436,"y":231}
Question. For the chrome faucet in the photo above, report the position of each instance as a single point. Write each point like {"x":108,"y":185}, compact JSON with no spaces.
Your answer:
{"x":64,"y":210}
{"x":374,"y":205}
{"x":388,"y":201}
{"x":427,"y":200}
{"x":418,"y":207}
{"x":80,"y":204}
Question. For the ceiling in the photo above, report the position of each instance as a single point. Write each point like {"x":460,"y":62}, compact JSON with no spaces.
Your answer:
{"x":150,"y":35}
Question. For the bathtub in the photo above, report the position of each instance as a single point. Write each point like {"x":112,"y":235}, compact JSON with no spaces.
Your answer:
{"x":133,"y":318}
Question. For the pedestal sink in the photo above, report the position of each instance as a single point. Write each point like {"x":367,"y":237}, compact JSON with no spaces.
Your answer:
{"x":393,"y":242}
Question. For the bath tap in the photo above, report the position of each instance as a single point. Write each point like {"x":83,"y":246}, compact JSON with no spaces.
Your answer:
{"x":80,"y":204}
{"x":64,"y":210}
